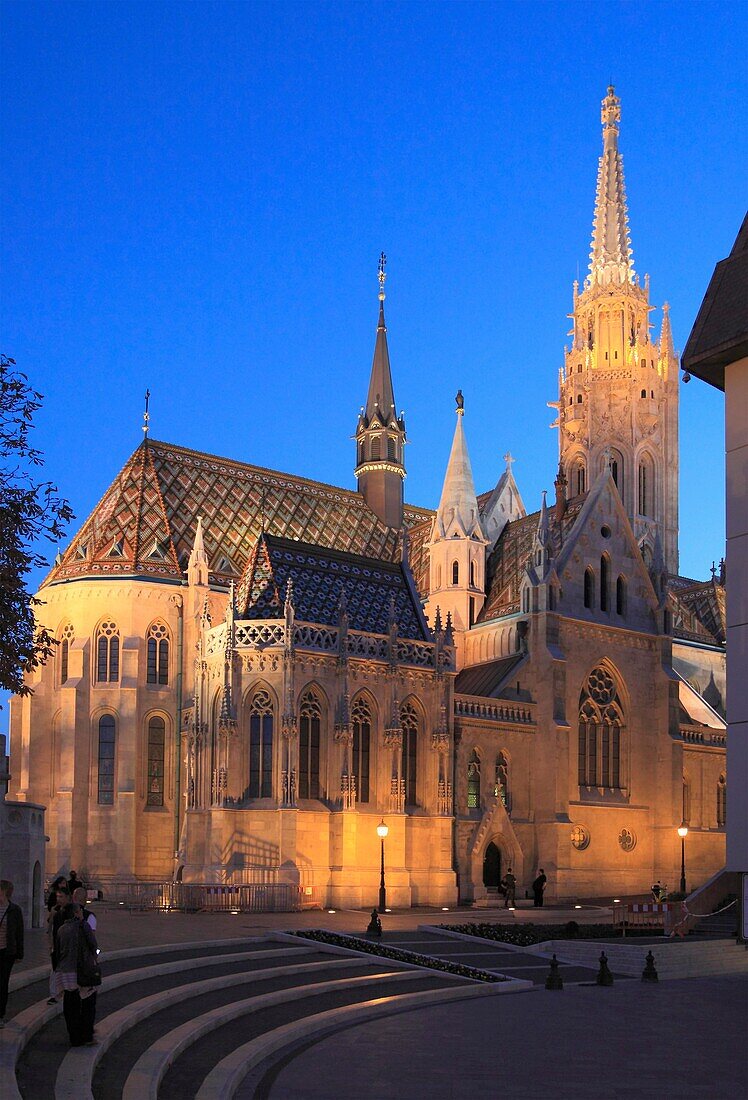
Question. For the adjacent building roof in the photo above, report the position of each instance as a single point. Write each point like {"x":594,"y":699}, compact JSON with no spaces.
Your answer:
{"x":373,"y":589}
{"x":486,"y":679}
{"x":146,"y":521}
{"x":720,"y":332}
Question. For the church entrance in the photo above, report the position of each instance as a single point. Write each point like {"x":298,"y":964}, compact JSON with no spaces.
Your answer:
{"x":492,"y":867}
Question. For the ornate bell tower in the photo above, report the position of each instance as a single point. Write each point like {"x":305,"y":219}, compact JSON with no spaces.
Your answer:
{"x":618,"y":388}
{"x":380,"y":433}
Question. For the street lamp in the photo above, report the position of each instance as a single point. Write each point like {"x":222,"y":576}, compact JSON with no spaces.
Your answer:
{"x":683,"y":833}
{"x":382,"y":831}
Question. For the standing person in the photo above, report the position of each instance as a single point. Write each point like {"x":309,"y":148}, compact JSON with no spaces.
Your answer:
{"x":74,"y":883}
{"x":76,"y":956}
{"x":54,"y":920}
{"x":60,"y":883}
{"x":538,"y":889}
{"x":79,"y":898}
{"x":657,"y":892}
{"x":11,"y":941}
{"x":511,"y":888}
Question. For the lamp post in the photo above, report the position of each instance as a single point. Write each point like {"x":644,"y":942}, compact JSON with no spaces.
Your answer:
{"x":382,"y":831}
{"x":682,"y":833}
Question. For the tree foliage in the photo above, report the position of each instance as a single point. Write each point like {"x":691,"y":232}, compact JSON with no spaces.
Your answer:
{"x":31,"y":510}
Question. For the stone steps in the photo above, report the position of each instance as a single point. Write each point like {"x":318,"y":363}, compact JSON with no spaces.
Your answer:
{"x":195,"y":1019}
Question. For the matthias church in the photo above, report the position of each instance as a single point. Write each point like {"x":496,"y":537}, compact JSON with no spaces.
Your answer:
{"x":255,"y":669}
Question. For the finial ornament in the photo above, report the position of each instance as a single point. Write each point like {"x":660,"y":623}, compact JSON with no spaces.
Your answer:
{"x":146,"y":416}
{"x":509,"y":460}
{"x":460,"y":403}
{"x":382,"y":275}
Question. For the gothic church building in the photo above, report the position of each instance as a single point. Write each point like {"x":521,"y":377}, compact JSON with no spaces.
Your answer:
{"x":254,"y":669}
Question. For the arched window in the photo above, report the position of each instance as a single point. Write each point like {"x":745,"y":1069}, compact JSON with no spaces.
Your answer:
{"x":455,"y":572}
{"x":686,"y":801}
{"x":158,"y":654}
{"x":361,"y":716}
{"x":600,"y":732}
{"x":156,"y":760}
{"x":376,"y":447}
{"x":361,"y":452}
{"x":721,"y":802}
{"x":501,"y":781}
{"x":65,"y":642}
{"x":261,"y":745}
{"x":391,"y":448}
{"x":644,"y":392}
{"x":410,"y":725}
{"x":604,"y":583}
{"x":589,"y":587}
{"x":621,"y":596}
{"x":438,"y":576}
{"x":646,"y":486}
{"x":578,"y":479}
{"x":525,"y":599}
{"x":472,"y":573}
{"x":310,"y":725}
{"x":105,"y":782}
{"x":107,"y":654}
{"x":473,"y":781}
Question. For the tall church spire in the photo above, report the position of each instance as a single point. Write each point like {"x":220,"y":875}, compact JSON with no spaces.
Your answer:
{"x":611,"y":259}
{"x":667,"y":349}
{"x":380,"y":433}
{"x":458,"y":508}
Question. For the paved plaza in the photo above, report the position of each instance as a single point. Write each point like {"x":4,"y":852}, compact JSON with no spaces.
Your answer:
{"x":234,"y":1008}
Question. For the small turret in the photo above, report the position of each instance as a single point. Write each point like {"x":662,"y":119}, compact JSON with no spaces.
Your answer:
{"x":197,"y":567}
{"x":458,"y":546}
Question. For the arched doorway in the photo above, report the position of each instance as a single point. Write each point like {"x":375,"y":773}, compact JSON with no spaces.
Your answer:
{"x":36,"y":896}
{"x":492,"y":867}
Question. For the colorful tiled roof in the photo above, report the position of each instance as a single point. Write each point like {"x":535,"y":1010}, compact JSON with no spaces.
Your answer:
{"x":699,"y":609}
{"x":145,"y":523}
{"x":320,"y":577}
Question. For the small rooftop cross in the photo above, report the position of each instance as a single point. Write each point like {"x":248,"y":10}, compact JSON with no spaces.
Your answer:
{"x":146,"y":416}
{"x":509,"y":460}
{"x":382,"y":275}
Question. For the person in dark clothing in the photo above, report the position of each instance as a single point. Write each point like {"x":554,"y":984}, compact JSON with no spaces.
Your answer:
{"x":538,"y":889}
{"x":54,"y":920}
{"x":60,"y":883}
{"x":74,"y":940}
{"x":510,"y":882}
{"x":11,"y":941}
{"x":74,"y":883}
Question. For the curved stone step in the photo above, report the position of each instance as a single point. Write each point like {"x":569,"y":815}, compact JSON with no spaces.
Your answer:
{"x":75,"y":1075}
{"x":21,"y":1028}
{"x":229,"y":1074}
{"x":145,"y":1077}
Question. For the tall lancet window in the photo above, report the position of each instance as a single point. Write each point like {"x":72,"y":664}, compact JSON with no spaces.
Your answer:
{"x":261,"y":745}
{"x":361,"y":716}
{"x":156,"y":760}
{"x":157,"y":646}
{"x":310,"y":726}
{"x":65,"y":643}
{"x":106,"y":754}
{"x":107,"y":653}
{"x":601,"y":730}
{"x":473,"y":781}
{"x":646,"y":486}
{"x":721,"y":802}
{"x":410,"y":722}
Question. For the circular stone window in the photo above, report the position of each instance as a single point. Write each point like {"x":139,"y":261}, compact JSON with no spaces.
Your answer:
{"x":627,"y":840}
{"x":580,"y":837}
{"x":605,"y":531}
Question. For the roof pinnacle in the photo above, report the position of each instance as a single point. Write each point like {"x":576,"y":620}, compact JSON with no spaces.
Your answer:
{"x":611,"y":260}
{"x":382,"y":275}
{"x":146,"y":416}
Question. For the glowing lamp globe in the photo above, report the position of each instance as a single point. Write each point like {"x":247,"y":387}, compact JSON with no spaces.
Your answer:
{"x":382,"y":829}
{"x":682,"y":830}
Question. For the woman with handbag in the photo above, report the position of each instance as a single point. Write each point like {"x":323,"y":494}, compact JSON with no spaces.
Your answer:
{"x":77,"y":975}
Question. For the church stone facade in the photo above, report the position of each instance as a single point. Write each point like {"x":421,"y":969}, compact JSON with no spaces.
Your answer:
{"x":255,"y":669}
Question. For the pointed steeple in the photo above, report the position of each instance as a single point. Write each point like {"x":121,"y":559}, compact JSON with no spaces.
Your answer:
{"x":667,"y":350}
{"x":197,"y":567}
{"x":458,"y":507}
{"x":543,"y":533}
{"x":381,"y":399}
{"x":380,"y":432}
{"x":611,"y":259}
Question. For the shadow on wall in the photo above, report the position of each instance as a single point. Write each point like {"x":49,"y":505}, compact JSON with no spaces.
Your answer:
{"x":250,"y":859}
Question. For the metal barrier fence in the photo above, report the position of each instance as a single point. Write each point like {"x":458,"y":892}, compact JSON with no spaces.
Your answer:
{"x":196,"y":897}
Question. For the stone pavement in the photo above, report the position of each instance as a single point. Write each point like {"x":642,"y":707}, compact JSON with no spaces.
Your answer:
{"x":676,"y":1039}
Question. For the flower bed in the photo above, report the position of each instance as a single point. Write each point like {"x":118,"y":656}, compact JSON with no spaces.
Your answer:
{"x":381,"y":950}
{"x":526,"y":935}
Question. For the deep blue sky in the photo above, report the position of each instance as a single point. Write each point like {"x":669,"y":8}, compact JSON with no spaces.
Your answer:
{"x":195,"y":197}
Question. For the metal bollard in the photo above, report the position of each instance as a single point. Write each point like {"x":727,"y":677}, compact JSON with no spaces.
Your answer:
{"x":604,"y":976}
{"x":649,"y":974}
{"x":554,"y":979}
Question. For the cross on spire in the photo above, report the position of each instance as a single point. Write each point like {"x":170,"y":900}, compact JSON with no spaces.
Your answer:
{"x":382,"y":275}
{"x":146,"y":416}
{"x":509,"y":460}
